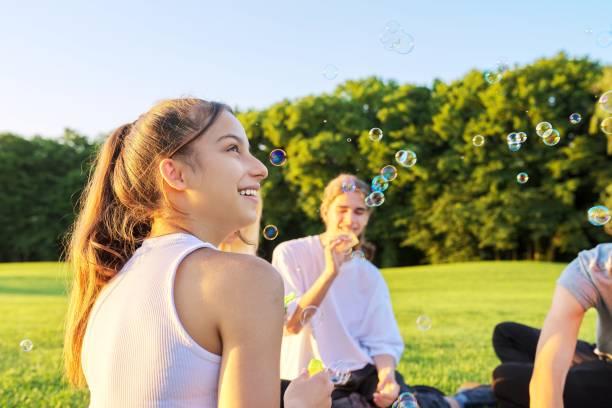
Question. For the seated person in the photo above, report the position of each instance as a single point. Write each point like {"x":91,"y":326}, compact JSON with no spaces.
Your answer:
{"x":356,"y":325}
{"x":551,"y":368}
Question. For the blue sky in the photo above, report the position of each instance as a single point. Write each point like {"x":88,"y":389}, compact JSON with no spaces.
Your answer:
{"x":93,"y":65}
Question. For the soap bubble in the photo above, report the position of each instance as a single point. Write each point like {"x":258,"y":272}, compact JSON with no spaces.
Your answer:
{"x":389,"y":172}
{"x":605,"y":101}
{"x":606,"y":125}
{"x":278,"y":157}
{"x":552,"y":100}
{"x":522,"y":137}
{"x":348,"y":139}
{"x":478,"y":140}
{"x":406,"y":158}
{"x":348,"y":187}
{"x":575,"y":118}
{"x":375,"y":199}
{"x":26,"y":345}
{"x":514,"y":147}
{"x":379,"y":183}
{"x":395,"y":38}
{"x":423,"y":323}
{"x":339,"y":372}
{"x":404,"y":43}
{"x":310,"y":314}
{"x":599,"y":215}
{"x":604,"y":39}
{"x":406,"y":400}
{"x":270,"y":232}
{"x":552,"y":138}
{"x":492,"y":76}
{"x":357,"y":254}
{"x":376,"y":134}
{"x":522,"y":178}
{"x":513,"y":138}
{"x":543,"y":129}
{"x":330,"y":71}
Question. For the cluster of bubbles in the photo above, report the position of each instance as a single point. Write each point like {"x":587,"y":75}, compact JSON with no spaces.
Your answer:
{"x":550,"y":136}
{"x":478,"y":140}
{"x":270,"y":232}
{"x":278,"y":157}
{"x":494,"y":75}
{"x":26,"y":345}
{"x":395,"y":38}
{"x":605,"y":102}
{"x":330,"y":71}
{"x":515,"y":140}
{"x":522,"y":178}
{"x":423,"y":323}
{"x":599,"y":215}
{"x":406,"y":400}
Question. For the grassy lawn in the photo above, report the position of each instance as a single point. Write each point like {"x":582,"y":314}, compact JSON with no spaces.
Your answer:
{"x":464,"y":302}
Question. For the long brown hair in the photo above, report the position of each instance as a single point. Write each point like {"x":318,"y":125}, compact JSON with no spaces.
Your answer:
{"x":116,"y":209}
{"x":339,"y":185}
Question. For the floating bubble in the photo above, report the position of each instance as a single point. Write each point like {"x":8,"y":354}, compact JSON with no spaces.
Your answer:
{"x":310,"y":314}
{"x":552,"y":138}
{"x":348,"y":139}
{"x":492,"y":77}
{"x":406,"y":158}
{"x":588,"y":31}
{"x":375,"y":199}
{"x":270,"y":232}
{"x":357,"y":254}
{"x":348,"y":187}
{"x":478,"y":140}
{"x":26,"y":345}
{"x":543,"y":128}
{"x":522,"y":137}
{"x":404,"y":43}
{"x":278,"y":157}
{"x":389,"y":172}
{"x":406,"y":400}
{"x":330,"y":71}
{"x":604,"y":39}
{"x":423,"y":323}
{"x":502,"y":66}
{"x":606,"y":125}
{"x":513,"y":138}
{"x":599,"y":215}
{"x":376,"y":134}
{"x":575,"y":118}
{"x":339,"y":372}
{"x":605,"y":101}
{"x":380,"y":184}
{"x":514,"y":147}
{"x":552,"y":100}
{"x":522,"y":178}
{"x":262,"y":147}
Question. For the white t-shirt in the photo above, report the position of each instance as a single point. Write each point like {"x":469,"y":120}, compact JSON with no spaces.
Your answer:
{"x":356,"y":319}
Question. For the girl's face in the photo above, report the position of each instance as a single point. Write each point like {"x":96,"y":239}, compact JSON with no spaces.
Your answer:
{"x":347,"y":213}
{"x":223,"y":191}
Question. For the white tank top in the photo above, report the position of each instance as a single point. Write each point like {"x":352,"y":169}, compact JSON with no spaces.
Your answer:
{"x":136,"y":352}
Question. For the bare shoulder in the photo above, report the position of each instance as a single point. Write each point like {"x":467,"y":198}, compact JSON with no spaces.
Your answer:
{"x":232,"y":274}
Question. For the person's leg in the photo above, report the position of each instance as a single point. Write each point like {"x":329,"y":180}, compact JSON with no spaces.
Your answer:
{"x":515,"y":342}
{"x":588,"y":384}
{"x":511,"y":384}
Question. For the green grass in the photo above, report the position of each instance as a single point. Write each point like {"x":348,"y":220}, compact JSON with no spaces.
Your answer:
{"x":464,"y":301}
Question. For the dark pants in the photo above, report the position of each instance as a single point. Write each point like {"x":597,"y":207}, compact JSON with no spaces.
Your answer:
{"x":588,"y":382}
{"x":358,"y":392}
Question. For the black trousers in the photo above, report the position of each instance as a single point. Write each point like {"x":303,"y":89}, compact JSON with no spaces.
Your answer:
{"x":588,"y":382}
{"x":359,"y":390}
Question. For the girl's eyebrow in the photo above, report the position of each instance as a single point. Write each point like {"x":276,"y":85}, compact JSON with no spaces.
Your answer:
{"x":236,"y":138}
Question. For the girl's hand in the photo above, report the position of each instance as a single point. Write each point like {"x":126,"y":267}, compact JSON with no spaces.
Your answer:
{"x":309,"y":392}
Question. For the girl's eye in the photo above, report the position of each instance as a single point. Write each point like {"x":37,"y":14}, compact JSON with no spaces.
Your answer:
{"x":234,"y":148}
